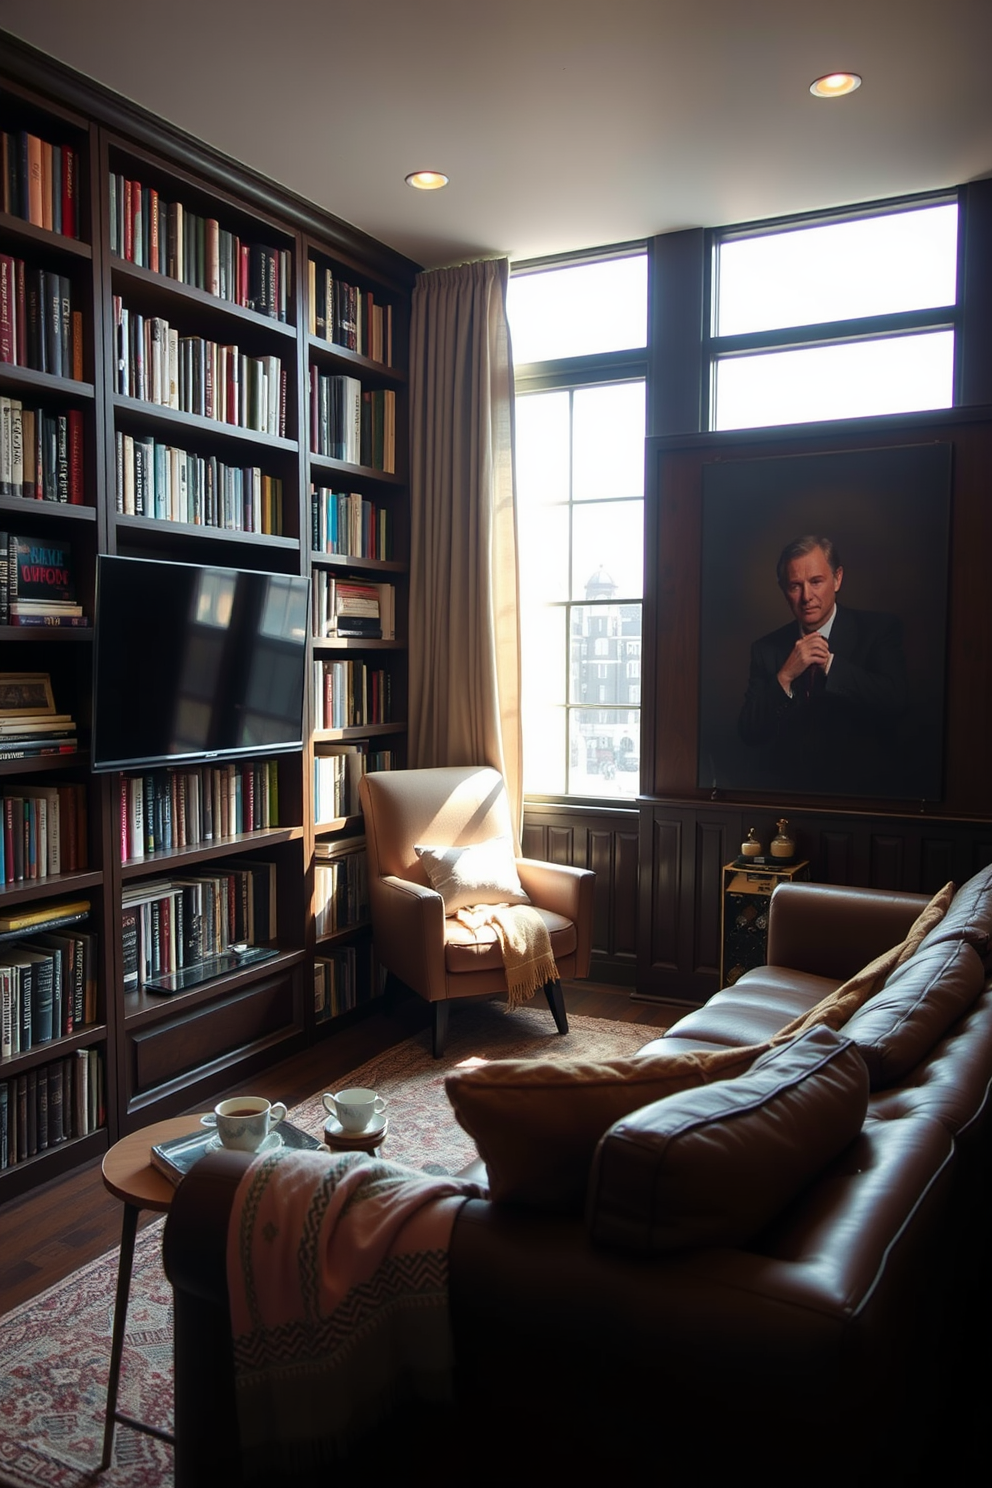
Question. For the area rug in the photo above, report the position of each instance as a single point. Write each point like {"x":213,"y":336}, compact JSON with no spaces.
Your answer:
{"x":54,"y":1350}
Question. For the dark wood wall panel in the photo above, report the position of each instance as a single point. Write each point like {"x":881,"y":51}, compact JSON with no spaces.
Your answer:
{"x":712,"y":852}
{"x":607,"y":842}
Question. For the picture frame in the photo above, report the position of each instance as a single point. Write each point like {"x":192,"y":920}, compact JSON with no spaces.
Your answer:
{"x":887,"y":512}
{"x":24,"y":693}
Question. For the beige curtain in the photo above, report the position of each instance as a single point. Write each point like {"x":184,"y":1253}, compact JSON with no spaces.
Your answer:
{"x":464,"y":617}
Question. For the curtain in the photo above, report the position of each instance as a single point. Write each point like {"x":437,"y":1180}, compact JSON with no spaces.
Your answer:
{"x":464,"y":704}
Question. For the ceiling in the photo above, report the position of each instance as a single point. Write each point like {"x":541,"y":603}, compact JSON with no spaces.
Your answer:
{"x":563,"y":124}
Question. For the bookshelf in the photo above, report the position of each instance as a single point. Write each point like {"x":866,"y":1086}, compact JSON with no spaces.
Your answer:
{"x":357,"y":519}
{"x":195,"y":355}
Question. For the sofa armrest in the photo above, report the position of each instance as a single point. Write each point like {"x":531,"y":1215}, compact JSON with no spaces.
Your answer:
{"x":408,"y":922}
{"x":568,"y":892}
{"x":833,"y":931}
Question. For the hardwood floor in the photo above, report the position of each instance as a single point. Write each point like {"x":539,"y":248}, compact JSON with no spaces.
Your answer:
{"x":59,"y":1227}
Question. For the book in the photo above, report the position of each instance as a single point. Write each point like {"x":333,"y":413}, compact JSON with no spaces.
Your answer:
{"x":175,"y":1157}
{"x":39,"y":569}
{"x":50,"y":916}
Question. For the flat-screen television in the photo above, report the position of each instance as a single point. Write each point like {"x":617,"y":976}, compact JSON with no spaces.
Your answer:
{"x":195,"y":663}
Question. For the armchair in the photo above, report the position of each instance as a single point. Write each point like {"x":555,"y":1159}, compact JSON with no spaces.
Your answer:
{"x":438,"y":957}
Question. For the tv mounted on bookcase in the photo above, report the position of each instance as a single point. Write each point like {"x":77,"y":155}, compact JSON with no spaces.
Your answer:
{"x":196,"y":663}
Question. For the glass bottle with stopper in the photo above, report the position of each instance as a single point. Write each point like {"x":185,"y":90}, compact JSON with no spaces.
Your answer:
{"x":782,"y":845}
{"x":750,"y":847}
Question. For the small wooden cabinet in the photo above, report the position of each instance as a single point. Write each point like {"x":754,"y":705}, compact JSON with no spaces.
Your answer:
{"x":744,"y":914}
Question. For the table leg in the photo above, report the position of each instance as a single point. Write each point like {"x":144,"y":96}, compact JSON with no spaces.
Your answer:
{"x":129,"y":1229}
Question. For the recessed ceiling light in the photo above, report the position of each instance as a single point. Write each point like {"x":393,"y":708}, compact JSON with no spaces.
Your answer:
{"x":427,"y":180}
{"x":835,"y":84}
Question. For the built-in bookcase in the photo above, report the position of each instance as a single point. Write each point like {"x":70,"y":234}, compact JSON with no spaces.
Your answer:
{"x":58,"y":1076}
{"x":187,"y":405}
{"x":358,"y":525}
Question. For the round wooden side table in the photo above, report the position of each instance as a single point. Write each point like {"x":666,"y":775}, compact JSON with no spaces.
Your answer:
{"x":128,"y":1174}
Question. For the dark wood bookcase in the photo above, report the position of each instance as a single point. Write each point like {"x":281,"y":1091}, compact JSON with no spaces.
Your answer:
{"x":159,"y":1055}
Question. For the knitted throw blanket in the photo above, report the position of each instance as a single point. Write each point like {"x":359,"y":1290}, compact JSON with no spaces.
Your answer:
{"x":337,"y":1270}
{"x":524,"y":941}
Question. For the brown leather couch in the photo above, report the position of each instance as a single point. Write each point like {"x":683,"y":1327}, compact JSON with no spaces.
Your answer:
{"x":828,"y":1347}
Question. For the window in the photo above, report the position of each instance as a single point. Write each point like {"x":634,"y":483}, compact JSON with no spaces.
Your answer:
{"x":835,"y":319}
{"x":579,"y":334}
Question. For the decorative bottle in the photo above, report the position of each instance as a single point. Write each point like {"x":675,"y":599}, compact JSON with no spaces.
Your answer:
{"x":783,"y":846}
{"x":750,"y":847}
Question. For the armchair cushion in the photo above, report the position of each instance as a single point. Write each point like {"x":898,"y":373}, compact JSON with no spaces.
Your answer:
{"x":479,"y":873}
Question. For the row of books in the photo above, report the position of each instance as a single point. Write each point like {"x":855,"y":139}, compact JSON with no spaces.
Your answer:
{"x":157,"y":365}
{"x":349,"y":523}
{"x":348,"y":316}
{"x":335,"y":984}
{"x":158,"y":480}
{"x":341,"y":885}
{"x":337,"y":770}
{"x":51,"y":1104}
{"x":350,"y":694}
{"x":180,"y":921}
{"x":169,"y":239}
{"x":351,"y":424}
{"x":44,"y":832}
{"x":169,"y":809}
{"x":349,"y":608}
{"x":40,"y":182}
{"x":41,"y":453}
{"x":38,"y":326}
{"x":48,"y":987}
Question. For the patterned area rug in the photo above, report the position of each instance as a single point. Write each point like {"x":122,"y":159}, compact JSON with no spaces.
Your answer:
{"x":55,"y":1349}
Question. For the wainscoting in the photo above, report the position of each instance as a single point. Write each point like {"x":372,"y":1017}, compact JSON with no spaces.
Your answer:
{"x":605,"y":840}
{"x":659,"y":882}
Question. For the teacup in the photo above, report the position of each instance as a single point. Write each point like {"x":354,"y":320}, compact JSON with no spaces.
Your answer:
{"x":354,"y":1108}
{"x":244,"y":1121}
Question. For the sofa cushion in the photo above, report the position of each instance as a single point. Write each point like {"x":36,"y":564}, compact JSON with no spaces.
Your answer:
{"x":536,"y":1122}
{"x":969,"y":916}
{"x":836,"y":1009}
{"x":714,"y":1166}
{"x":919,"y":1002}
{"x":481,"y":873}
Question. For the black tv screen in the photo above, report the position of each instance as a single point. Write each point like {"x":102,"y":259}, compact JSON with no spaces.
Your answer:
{"x":195,"y":663}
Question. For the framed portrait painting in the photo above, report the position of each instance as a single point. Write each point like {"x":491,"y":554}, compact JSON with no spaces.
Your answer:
{"x":823,"y":622}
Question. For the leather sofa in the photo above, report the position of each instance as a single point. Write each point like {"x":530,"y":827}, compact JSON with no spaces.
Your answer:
{"x":827,"y":1347}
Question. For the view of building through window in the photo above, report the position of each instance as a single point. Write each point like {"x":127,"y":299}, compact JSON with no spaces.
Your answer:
{"x":580,"y":503}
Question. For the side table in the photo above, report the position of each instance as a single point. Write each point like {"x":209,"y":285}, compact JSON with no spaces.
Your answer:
{"x":128,"y":1174}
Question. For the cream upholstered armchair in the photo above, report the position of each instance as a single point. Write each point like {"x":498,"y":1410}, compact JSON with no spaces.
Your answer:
{"x":438,"y":957}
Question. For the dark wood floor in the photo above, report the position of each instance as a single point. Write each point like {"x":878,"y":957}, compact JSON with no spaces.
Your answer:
{"x":50,"y":1232}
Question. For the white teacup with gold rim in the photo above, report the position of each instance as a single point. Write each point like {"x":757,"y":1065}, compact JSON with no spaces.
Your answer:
{"x":354,"y":1108}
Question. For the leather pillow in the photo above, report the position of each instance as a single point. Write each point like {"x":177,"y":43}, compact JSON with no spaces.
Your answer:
{"x":838,"y":1007}
{"x":915,"y":1008}
{"x":969,"y":916}
{"x":536,"y":1122}
{"x":714,"y":1166}
{"x":481,"y":873}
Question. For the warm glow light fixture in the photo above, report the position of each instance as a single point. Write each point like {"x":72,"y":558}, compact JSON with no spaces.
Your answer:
{"x":426,"y":180}
{"x":835,"y":84}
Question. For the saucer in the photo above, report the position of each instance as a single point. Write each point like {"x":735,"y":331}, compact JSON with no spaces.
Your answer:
{"x":272,"y":1141}
{"x":374,"y":1128}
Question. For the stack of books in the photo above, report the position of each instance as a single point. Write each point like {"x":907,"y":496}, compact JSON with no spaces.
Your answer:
{"x":29,"y":724}
{"x":37,"y":583}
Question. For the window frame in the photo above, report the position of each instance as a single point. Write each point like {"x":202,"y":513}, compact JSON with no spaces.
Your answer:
{"x":888,"y":326}
{"x":569,"y":374}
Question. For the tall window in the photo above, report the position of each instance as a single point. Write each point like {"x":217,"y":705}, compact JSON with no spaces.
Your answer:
{"x":579,"y":334}
{"x":835,"y":319}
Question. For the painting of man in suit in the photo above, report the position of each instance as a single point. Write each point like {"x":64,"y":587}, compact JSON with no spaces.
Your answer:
{"x":826,"y":690}
{"x":823,"y":592}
